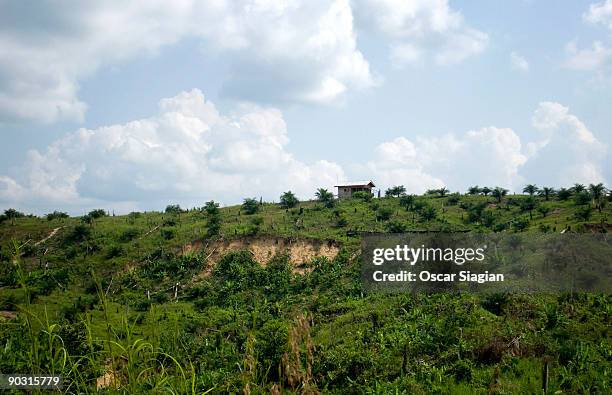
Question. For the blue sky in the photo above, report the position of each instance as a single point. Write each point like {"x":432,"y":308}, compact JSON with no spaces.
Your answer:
{"x":133,"y":105}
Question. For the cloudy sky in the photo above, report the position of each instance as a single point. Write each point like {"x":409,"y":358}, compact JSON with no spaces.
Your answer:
{"x":131,"y":105}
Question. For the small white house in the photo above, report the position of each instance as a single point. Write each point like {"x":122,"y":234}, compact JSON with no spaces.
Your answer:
{"x":347,"y":189}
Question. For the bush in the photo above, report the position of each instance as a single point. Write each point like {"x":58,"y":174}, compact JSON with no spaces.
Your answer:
{"x":396,"y":227}
{"x":520,"y":224}
{"x":97,"y":213}
{"x":453,"y":199}
{"x":384,"y":213}
{"x":365,"y":196}
{"x":288,"y":200}
{"x":237,"y":271}
{"x":250,"y":206}
{"x":78,"y":234}
{"x":129,"y":235}
{"x":113,"y":251}
{"x":56,"y":215}
{"x":168,"y":234}
{"x":407,"y":201}
{"x":173,"y":209}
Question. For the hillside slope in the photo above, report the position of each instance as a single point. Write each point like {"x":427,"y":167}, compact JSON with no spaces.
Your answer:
{"x":274,"y":303}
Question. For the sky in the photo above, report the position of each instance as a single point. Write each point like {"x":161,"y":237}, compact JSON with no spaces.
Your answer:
{"x":133,"y":105}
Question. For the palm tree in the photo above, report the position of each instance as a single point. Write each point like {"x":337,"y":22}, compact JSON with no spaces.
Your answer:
{"x":324,"y":196}
{"x":564,"y":194}
{"x":577,"y":188}
{"x":499,"y":193}
{"x":598,"y":191}
{"x":396,"y":191}
{"x":486,"y":190}
{"x":546,"y":192}
{"x":475,"y":190}
{"x":11,"y":214}
{"x":288,"y":200}
{"x":442,"y":191}
{"x":531,"y":189}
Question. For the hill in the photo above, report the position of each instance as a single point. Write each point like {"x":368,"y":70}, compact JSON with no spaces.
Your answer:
{"x":221,"y":300}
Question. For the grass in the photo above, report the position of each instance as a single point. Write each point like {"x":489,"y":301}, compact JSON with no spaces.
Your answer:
{"x":104,"y":303}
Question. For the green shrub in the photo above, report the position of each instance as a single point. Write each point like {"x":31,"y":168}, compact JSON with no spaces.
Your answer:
{"x":168,"y":234}
{"x":361,"y":195}
{"x":129,"y":235}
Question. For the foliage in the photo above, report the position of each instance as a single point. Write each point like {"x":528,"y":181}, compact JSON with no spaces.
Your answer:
{"x":288,"y":200}
{"x":97,"y":213}
{"x":395,"y":191}
{"x":250,"y":206}
{"x":362,"y":195}
{"x":325,"y":197}
{"x":56,"y":215}
{"x":166,"y":318}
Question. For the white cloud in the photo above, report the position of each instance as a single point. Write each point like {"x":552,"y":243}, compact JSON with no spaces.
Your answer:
{"x":519,"y":62}
{"x":307,"y":48}
{"x":563,"y":151}
{"x":587,"y":59}
{"x":450,"y":160}
{"x":566,"y":151}
{"x":188,"y":152}
{"x":600,"y":13}
{"x":423,"y":29}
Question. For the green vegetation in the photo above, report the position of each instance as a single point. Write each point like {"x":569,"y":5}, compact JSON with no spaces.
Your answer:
{"x":131,"y":303}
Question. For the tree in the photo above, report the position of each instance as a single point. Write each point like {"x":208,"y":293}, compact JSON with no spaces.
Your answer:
{"x":582,"y":198}
{"x":486,"y":190}
{"x":213,"y":226}
{"x":326,"y":197}
{"x":395,"y":191}
{"x":407,"y":201}
{"x":529,"y":205}
{"x":442,"y":191}
{"x":564,"y":194}
{"x":547,"y":192}
{"x":499,"y":193}
{"x":250,"y":206}
{"x":12,"y":214}
{"x":578,"y":188}
{"x":544,"y":210}
{"x":56,"y":215}
{"x":428,"y":213}
{"x":520,"y":224}
{"x":583,"y":213}
{"x":288,"y":200}
{"x":173,"y":209}
{"x":211,"y":208}
{"x":384,"y":213}
{"x":598,"y":192}
{"x":475,"y":190}
{"x":395,"y":227}
{"x":531,"y":189}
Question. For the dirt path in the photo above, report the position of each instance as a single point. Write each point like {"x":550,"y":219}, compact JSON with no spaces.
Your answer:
{"x":53,"y":232}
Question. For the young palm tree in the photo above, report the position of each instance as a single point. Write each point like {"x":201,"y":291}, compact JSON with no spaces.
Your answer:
{"x":546,"y":192}
{"x":531,"y":189}
{"x":577,"y":188}
{"x":443,"y":191}
{"x":598,"y":191}
{"x":324,"y":196}
{"x":499,"y":193}
{"x":475,"y":190}
{"x":486,"y":190}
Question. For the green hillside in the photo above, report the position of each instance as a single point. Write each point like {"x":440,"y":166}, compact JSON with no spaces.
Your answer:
{"x":161,"y":302}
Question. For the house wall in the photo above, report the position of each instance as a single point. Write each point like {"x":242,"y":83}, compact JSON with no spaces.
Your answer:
{"x":347,"y":192}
